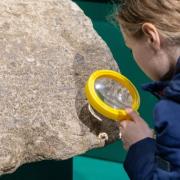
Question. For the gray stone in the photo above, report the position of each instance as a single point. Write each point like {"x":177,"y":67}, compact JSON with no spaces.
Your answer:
{"x":48,"y":49}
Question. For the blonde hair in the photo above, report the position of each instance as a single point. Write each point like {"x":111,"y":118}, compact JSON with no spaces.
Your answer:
{"x":164,"y":14}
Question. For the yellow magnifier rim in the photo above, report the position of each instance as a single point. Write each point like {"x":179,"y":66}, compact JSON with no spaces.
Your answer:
{"x":102,"y":107}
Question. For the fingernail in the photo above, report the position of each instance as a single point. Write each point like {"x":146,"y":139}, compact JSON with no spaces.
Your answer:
{"x":123,"y":124}
{"x":128,"y":110}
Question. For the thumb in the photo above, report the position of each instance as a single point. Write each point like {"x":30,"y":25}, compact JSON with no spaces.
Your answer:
{"x":133,"y":114}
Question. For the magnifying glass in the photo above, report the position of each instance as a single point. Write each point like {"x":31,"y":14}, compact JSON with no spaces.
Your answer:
{"x":109,"y":93}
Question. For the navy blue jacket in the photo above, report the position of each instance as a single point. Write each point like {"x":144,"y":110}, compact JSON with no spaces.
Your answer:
{"x":159,"y":159}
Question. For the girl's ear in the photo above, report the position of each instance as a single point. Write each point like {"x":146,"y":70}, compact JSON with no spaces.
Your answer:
{"x":152,"y":35}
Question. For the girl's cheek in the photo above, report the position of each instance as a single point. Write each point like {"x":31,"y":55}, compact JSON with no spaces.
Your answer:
{"x":141,"y":61}
{"x":137,"y":58}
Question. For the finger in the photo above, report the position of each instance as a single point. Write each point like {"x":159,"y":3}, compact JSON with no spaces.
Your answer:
{"x":123,"y":124}
{"x":133,"y":114}
{"x":125,"y":145}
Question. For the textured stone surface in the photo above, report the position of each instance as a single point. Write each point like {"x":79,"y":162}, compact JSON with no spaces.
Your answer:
{"x":48,"y":49}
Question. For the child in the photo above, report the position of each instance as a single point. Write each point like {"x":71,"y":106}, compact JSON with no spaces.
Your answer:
{"x":151,"y":29}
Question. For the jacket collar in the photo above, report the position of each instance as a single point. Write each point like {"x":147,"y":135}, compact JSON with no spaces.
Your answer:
{"x":166,"y":89}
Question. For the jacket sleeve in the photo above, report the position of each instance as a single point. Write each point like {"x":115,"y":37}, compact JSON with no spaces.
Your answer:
{"x":140,"y":160}
{"x":140,"y":163}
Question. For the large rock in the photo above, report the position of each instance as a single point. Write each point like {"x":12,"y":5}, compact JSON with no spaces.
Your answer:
{"x":48,"y":49}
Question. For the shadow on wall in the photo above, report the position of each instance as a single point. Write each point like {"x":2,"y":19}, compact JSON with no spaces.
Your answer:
{"x":81,"y":74}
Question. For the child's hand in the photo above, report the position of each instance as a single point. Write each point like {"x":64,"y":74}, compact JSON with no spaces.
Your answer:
{"x":134,"y":130}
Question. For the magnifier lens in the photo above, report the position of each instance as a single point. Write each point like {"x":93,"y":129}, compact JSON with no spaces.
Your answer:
{"x":112,"y":93}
